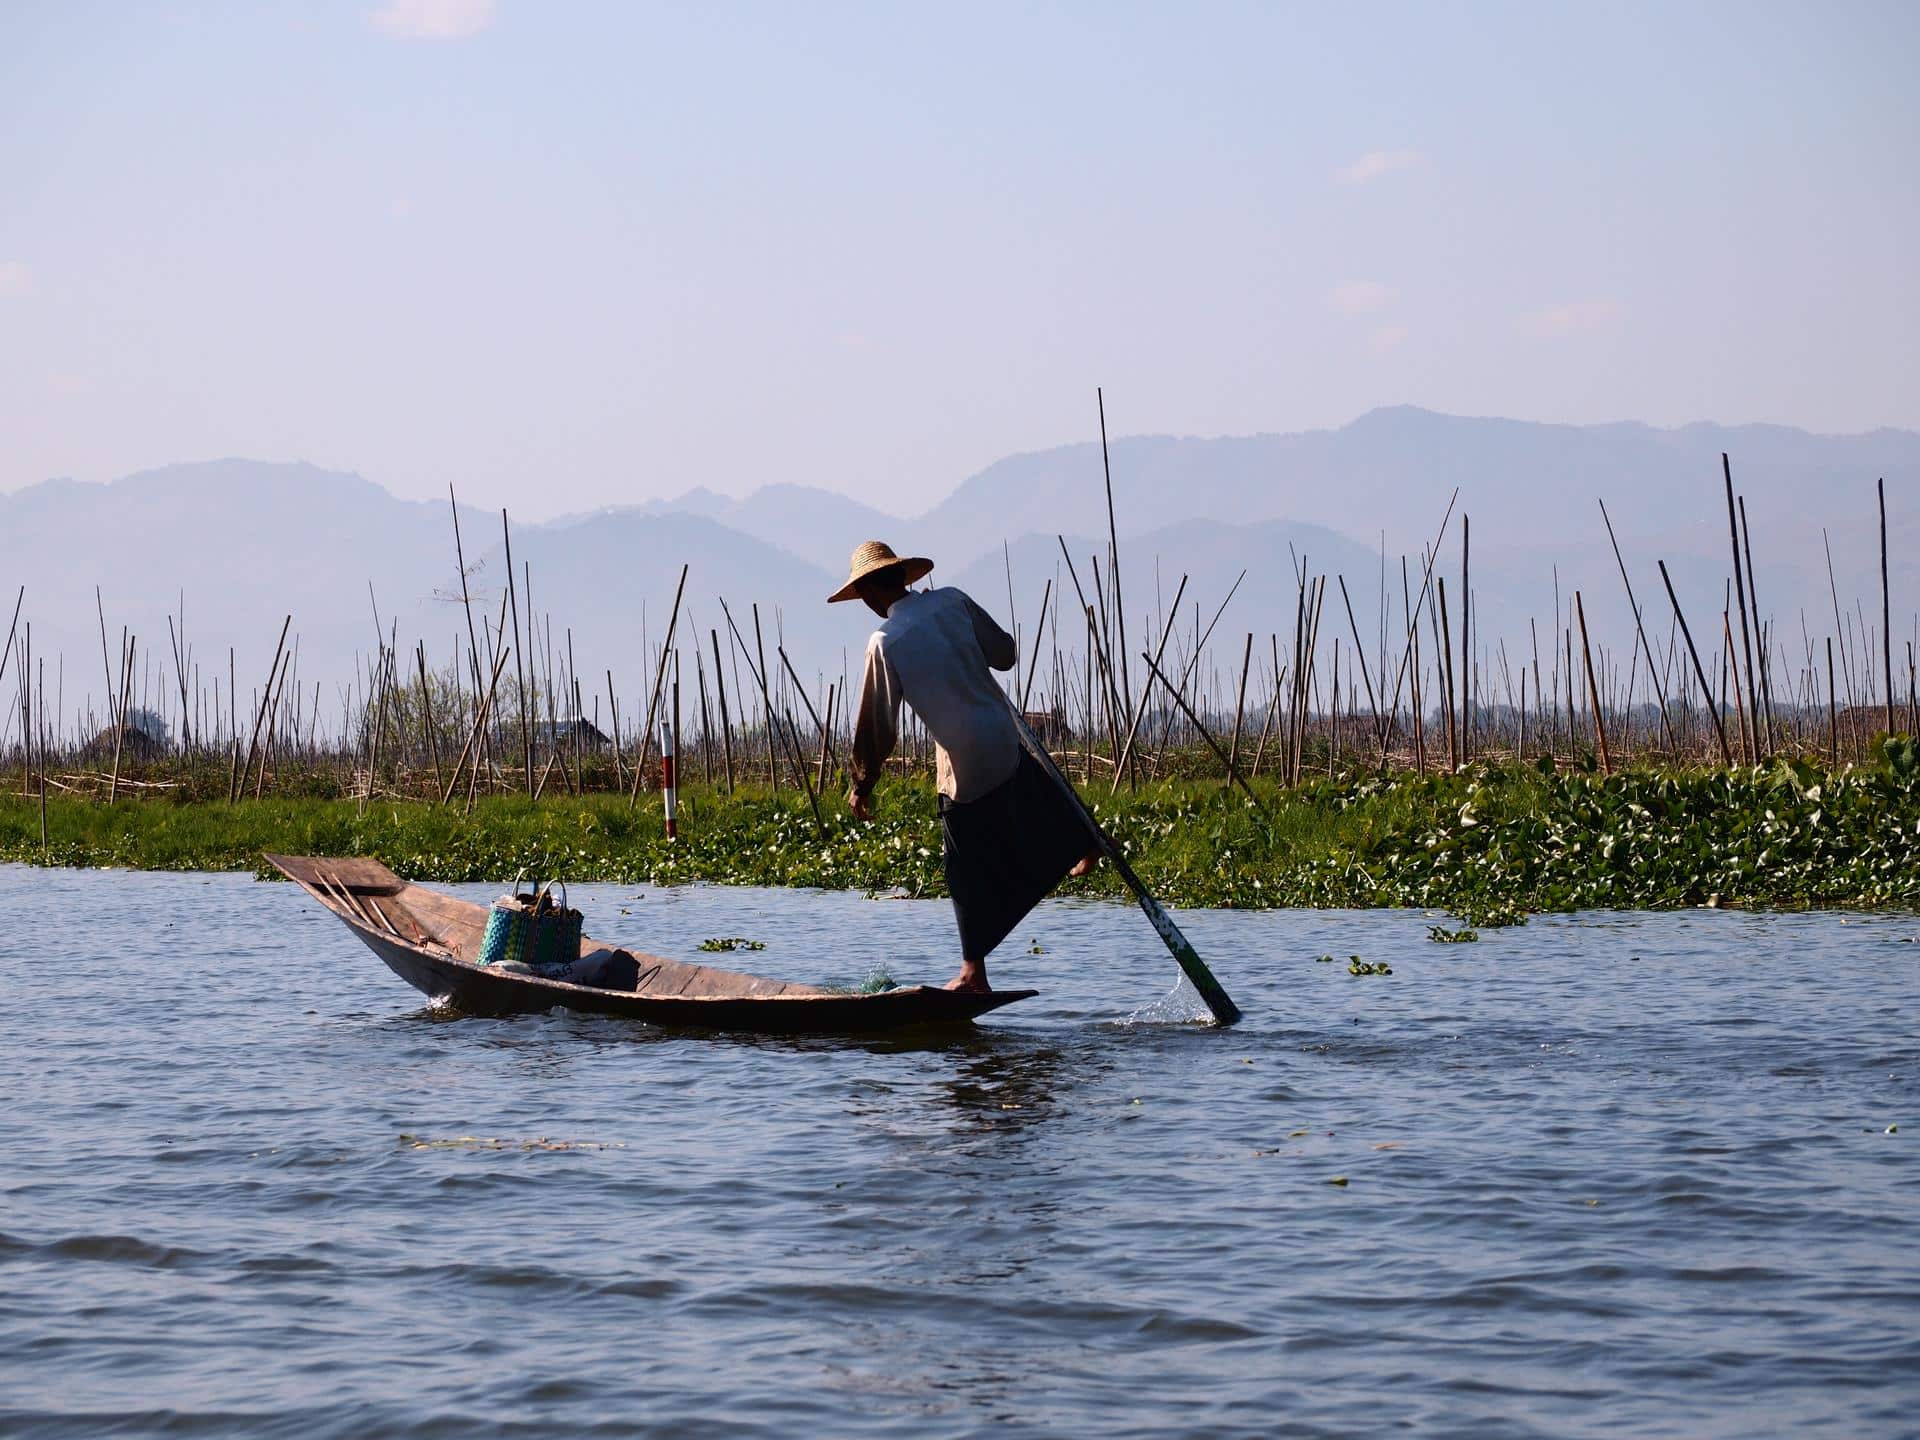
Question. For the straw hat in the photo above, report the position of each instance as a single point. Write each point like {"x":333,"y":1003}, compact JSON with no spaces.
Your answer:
{"x":872,"y":556}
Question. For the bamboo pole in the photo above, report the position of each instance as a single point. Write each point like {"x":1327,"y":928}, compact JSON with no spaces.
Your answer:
{"x":1639,"y":629}
{"x":826,"y":730}
{"x":120,"y":717}
{"x":1140,"y":706}
{"x":1740,"y":596}
{"x":1446,"y":676}
{"x":1033,"y":664}
{"x":801,"y":690}
{"x":1699,"y":670}
{"x":261,"y":714}
{"x":1240,"y":703}
{"x":706,"y":715}
{"x":1833,"y":719}
{"x":1360,"y":652}
{"x":1466,"y":645}
{"x":1113,"y":546}
{"x":766,"y":699}
{"x":471,"y":745}
{"x":1593,"y":690}
{"x":1740,"y":714}
{"x":726,"y":724}
{"x":1886,"y":613}
{"x":653,"y":700}
{"x":1764,"y":672}
{"x":426,"y":707}
{"x":266,"y":750}
{"x":519,"y":663}
{"x":1213,"y":744}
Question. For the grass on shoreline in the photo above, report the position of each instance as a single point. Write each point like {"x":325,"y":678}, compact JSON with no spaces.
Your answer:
{"x":1489,"y":845}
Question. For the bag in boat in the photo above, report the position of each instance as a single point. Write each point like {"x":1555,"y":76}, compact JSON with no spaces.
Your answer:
{"x":529,"y":928}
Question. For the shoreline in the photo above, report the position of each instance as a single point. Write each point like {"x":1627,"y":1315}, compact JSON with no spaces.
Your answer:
{"x":1488,"y":845}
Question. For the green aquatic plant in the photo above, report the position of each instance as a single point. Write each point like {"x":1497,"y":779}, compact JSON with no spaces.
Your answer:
{"x":1488,"y":845}
{"x":1440,"y":935}
{"x":1357,"y":966}
{"x":736,"y":942}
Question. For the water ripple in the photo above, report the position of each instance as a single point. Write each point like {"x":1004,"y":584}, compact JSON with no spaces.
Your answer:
{"x":1625,"y":1174}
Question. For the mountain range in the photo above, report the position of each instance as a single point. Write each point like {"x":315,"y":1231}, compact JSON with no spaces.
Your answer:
{"x":242,"y":543}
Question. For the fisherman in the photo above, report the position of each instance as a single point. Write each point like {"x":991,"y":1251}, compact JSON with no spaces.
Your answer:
{"x":1008,"y":833}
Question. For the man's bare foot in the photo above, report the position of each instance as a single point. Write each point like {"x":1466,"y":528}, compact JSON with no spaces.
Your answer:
{"x":972,"y":979}
{"x":1084,"y":865}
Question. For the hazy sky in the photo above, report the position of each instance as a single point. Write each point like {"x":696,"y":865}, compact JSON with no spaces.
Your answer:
{"x":573,"y":254}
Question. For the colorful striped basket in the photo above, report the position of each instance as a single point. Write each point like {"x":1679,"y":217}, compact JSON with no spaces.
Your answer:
{"x":529,"y":928}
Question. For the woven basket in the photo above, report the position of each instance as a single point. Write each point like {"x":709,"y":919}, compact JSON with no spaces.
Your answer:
{"x":530,"y":928}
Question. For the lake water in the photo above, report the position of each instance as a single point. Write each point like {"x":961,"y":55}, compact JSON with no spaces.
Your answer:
{"x":1625,"y":1174}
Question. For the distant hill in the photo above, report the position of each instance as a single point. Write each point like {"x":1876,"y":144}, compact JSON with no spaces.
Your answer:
{"x":249,"y":541}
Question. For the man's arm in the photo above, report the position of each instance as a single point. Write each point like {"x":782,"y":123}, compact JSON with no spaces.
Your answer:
{"x":876,"y":725}
{"x":995,"y":643}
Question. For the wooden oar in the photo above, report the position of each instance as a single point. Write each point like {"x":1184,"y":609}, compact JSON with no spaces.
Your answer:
{"x":1217,"y":1001}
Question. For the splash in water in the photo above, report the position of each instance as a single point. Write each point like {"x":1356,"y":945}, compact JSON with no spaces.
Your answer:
{"x":1181,"y":1005}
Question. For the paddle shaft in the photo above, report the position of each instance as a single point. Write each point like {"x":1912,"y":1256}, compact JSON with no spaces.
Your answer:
{"x":1224,"y":1011}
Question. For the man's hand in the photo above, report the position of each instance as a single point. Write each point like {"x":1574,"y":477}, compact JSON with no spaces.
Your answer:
{"x":857,"y":803}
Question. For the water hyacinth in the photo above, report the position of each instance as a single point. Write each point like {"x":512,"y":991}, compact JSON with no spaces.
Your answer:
{"x":1487,"y":846}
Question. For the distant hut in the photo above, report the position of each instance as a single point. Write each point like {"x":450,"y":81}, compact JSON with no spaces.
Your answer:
{"x":554,"y":734}
{"x":144,"y":737}
{"x":1049,"y":726}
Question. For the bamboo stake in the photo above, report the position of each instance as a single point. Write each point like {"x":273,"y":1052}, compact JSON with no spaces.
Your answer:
{"x":519,"y":663}
{"x":1740,"y":714}
{"x":726,"y":724}
{"x":1239,"y":705}
{"x":266,"y":750}
{"x":766,"y":699}
{"x":1740,"y":595}
{"x":1593,"y":690}
{"x":1764,"y":674}
{"x":613,"y":718}
{"x":1833,"y":719}
{"x":1361,"y":654}
{"x":1146,"y":686}
{"x":1466,"y":645}
{"x":1113,"y":546}
{"x":1033,"y":664}
{"x":1213,"y":744}
{"x":42,"y":728}
{"x":261,"y":714}
{"x":1699,"y":670}
{"x":826,"y":730}
{"x":1886,"y":614}
{"x":812,"y":714}
{"x":426,"y":706}
{"x":120,"y":716}
{"x":790,"y":737}
{"x":470,"y":746}
{"x":653,"y":701}
{"x":1446,"y":677}
{"x":1639,"y":629}
{"x":706,"y":715}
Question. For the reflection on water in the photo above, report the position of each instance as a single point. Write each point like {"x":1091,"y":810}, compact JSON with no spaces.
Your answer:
{"x":1633,"y":1173}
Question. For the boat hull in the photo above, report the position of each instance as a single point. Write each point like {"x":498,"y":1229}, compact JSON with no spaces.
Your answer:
{"x":419,"y":934}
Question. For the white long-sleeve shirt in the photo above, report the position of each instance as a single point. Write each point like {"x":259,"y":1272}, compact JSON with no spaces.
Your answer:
{"x":933,"y":651}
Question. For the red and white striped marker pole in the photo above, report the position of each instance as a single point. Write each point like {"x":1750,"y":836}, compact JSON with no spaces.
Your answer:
{"x":669,"y":786}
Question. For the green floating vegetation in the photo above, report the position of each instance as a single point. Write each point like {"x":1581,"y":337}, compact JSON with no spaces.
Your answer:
{"x":735,"y":942}
{"x":1440,"y":935}
{"x":1357,"y":966}
{"x":1487,"y":846}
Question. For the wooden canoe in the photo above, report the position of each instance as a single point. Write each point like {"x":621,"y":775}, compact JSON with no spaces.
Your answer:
{"x":432,"y":941}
